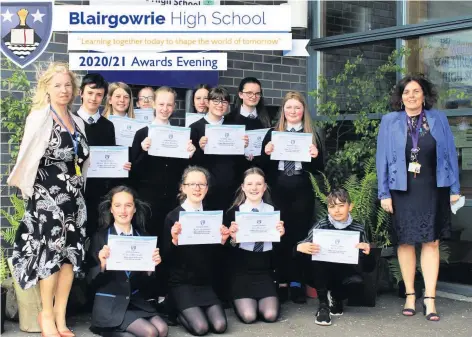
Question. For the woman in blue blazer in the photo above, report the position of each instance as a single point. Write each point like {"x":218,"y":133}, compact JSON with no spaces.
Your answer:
{"x":418,"y":179}
{"x":119,"y":309}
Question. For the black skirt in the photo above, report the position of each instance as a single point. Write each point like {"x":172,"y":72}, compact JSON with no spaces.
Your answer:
{"x":190,"y":296}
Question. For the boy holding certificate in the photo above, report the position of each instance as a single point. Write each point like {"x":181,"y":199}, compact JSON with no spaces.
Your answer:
{"x":335,"y":281}
{"x":251,"y":263}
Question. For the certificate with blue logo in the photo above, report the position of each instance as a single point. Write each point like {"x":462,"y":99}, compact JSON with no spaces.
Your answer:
{"x":257,"y":226}
{"x":131,"y":253}
{"x":225,"y":139}
{"x":337,"y":246}
{"x":291,"y":146}
{"x":108,"y":162}
{"x":125,"y":129}
{"x":199,"y":228}
{"x":169,"y":141}
{"x":144,"y":115}
{"x":256,"y":137}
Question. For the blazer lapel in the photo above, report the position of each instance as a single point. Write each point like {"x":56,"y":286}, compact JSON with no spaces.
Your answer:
{"x":431,"y":120}
{"x":399,"y":132}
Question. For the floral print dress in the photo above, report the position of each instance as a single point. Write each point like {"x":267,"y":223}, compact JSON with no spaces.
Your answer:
{"x":52,"y":231}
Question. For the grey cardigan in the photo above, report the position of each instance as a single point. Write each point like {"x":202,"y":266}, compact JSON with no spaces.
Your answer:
{"x":35,"y":141}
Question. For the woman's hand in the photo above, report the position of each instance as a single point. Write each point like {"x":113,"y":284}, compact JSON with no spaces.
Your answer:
{"x":365,"y":247}
{"x":269,"y":148}
{"x":103,"y":255}
{"x":224,"y":234}
{"x":280,"y":228}
{"x":454,"y":198}
{"x":146,"y":144}
{"x":313,"y":151}
{"x":308,"y":248}
{"x":246,"y":140}
{"x":127,"y":166}
{"x":233,"y":229}
{"x":202,"y":142}
{"x":156,"y":257}
{"x":190,"y":148}
{"x":175,"y":232}
{"x":387,"y":205}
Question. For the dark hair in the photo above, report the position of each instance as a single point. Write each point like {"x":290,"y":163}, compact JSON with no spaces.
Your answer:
{"x":338,"y":194}
{"x":219,"y":93}
{"x":94,"y":81}
{"x":198,"y":87}
{"x":260,"y":107}
{"x":241,"y":196}
{"x":105,"y":218}
{"x":429,"y":91}
{"x":181,"y":195}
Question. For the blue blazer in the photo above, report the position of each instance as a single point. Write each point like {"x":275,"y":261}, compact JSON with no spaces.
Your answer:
{"x":391,"y":161}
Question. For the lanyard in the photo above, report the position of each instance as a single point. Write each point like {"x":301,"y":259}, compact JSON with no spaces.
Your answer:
{"x":415,"y":134}
{"x":75,"y":137}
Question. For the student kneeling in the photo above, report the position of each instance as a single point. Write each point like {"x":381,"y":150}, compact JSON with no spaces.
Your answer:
{"x":119,"y":310}
{"x":334,"y":282}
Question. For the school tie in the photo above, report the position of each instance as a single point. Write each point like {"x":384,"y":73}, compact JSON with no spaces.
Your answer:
{"x":289,"y":166}
{"x":123,"y":234}
{"x":258,"y":246}
{"x":252,"y":116}
{"x":91,"y":120}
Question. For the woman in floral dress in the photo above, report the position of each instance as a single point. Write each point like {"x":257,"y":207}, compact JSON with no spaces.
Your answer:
{"x":50,"y":171}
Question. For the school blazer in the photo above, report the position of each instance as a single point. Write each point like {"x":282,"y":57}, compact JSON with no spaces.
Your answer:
{"x":113,"y":289}
{"x":391,"y":160}
{"x":35,"y":141}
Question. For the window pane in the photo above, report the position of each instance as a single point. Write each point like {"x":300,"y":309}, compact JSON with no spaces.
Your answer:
{"x":342,"y":17}
{"x":446,"y":59}
{"x":421,"y":11}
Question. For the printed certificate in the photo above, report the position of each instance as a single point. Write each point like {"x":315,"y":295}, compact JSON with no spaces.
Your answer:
{"x":125,"y":129}
{"x":108,"y":162}
{"x":255,"y":142}
{"x":337,"y":246}
{"x":169,"y":141}
{"x":191,"y":118}
{"x":131,"y":253}
{"x":257,"y":226}
{"x":292,"y":146}
{"x":199,"y":228}
{"x":144,"y":115}
{"x":225,"y":139}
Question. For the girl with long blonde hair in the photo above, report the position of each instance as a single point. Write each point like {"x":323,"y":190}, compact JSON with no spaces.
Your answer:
{"x":119,"y":100}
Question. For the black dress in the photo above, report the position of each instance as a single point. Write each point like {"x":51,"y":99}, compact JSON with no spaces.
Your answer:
{"x":421,"y":213}
{"x":191,"y":269}
{"x":52,"y":231}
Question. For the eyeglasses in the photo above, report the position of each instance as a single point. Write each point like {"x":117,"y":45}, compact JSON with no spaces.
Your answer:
{"x":251,"y":94}
{"x":194,"y":185}
{"x":146,"y":98}
{"x":218,"y":102}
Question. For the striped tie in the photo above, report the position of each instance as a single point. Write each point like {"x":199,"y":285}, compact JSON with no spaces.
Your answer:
{"x":252,"y":116}
{"x":258,"y":246}
{"x":91,"y":120}
{"x":289,"y":166}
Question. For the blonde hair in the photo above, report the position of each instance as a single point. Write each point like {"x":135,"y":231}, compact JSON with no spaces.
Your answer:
{"x":165,"y":88}
{"x":41,"y":95}
{"x":181,"y":195}
{"x":241,"y":196}
{"x":111,"y":89}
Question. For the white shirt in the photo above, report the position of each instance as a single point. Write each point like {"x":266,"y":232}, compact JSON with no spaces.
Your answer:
{"x":298,"y":164}
{"x":159,"y":122}
{"x":262,"y":207}
{"x":187,"y":207}
{"x":85,"y":116}
{"x":220,"y":122}
{"x":246,"y":113}
{"x":119,"y":231}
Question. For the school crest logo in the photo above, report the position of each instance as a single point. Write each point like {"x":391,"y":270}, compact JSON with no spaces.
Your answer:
{"x":26,"y":30}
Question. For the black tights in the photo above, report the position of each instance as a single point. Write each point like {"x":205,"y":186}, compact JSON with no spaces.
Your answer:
{"x":247,"y":309}
{"x":153,"y":327}
{"x":199,"y":321}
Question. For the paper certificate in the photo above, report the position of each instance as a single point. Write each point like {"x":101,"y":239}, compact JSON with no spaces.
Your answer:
{"x":131,"y":253}
{"x":225,"y":139}
{"x":255,"y":142}
{"x":169,"y":141}
{"x":144,"y":115}
{"x":293,"y":146}
{"x":257,"y":226}
{"x":191,"y":118}
{"x":337,"y":246}
{"x":125,"y":129}
{"x":199,"y":228}
{"x":108,"y":162}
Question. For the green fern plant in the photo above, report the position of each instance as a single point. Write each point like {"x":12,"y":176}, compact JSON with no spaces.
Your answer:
{"x":363,"y":193}
{"x":4,"y":270}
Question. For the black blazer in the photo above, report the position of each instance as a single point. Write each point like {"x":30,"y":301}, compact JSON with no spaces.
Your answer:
{"x":114,"y":290}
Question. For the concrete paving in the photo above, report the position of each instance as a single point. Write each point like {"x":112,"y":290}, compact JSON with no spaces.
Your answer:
{"x":385,"y":320}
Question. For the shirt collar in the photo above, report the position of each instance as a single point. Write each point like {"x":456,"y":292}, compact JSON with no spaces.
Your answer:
{"x":85,"y":116}
{"x":220,"y":122}
{"x":297,"y":127}
{"x":246,"y":113}
{"x":340,"y":224}
{"x":119,"y":231}
{"x":159,"y":122}
{"x":186,"y":206}
{"x":247,"y":207}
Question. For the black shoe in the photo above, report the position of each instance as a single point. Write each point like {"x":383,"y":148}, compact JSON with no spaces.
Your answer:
{"x":282,"y":293}
{"x":323,"y":316}
{"x":298,"y":295}
{"x":335,"y":305}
